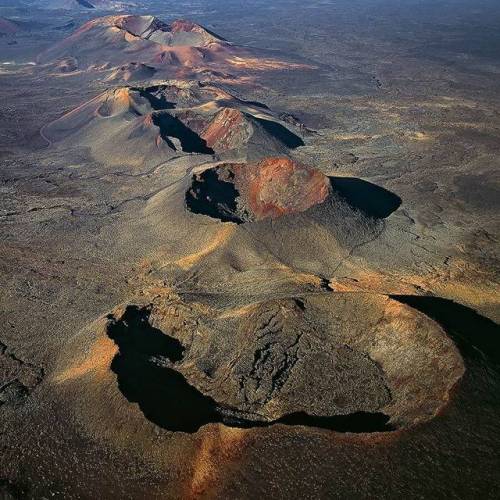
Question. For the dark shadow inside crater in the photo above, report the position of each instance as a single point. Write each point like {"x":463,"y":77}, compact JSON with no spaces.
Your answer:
{"x":171,"y":126}
{"x":212,"y":196}
{"x":144,"y":366}
{"x":156,"y":102}
{"x":477,"y":337}
{"x":162,"y":393}
{"x":374,"y":201}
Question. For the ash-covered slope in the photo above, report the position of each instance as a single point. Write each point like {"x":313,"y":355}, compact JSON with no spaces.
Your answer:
{"x":117,"y":126}
{"x":139,"y":125}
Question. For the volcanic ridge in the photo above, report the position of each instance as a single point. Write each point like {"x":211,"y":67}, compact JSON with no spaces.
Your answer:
{"x":151,"y":124}
{"x":236,"y":350}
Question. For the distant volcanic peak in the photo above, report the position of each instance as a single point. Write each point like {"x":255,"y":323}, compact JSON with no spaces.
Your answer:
{"x":271,"y":188}
{"x":183,"y":25}
{"x":87,"y":4}
{"x":8,"y":27}
{"x":152,"y":29}
{"x":140,"y":26}
{"x":179,"y":33}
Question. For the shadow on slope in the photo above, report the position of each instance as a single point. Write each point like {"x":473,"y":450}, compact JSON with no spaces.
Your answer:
{"x":374,"y":201}
{"x":170,"y":126}
{"x":477,"y":337}
{"x":285,"y":136}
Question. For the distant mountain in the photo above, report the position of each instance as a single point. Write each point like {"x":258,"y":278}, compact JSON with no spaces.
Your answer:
{"x":85,"y":4}
{"x":118,"y":40}
{"x":181,"y":49}
{"x":8,"y":27}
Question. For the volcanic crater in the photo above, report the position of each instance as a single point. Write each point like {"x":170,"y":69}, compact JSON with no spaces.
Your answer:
{"x":277,"y":186}
{"x":344,"y":362}
{"x":157,"y":122}
{"x":254,"y":291}
{"x":146,"y":374}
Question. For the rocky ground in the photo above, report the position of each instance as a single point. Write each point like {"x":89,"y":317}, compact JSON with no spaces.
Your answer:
{"x":282,"y":282}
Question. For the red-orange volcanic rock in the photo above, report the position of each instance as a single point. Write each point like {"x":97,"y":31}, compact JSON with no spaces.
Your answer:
{"x":246,"y":192}
{"x":183,"y":25}
{"x":278,"y":186}
{"x":225,"y":130}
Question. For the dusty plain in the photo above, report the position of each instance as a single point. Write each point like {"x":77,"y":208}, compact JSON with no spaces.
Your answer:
{"x":282,"y":281}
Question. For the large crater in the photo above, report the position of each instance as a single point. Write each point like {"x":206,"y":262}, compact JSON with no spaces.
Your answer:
{"x":145,"y":367}
{"x":340,"y":361}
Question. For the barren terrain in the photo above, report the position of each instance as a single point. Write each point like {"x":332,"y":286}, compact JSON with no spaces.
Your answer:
{"x":249,"y":250}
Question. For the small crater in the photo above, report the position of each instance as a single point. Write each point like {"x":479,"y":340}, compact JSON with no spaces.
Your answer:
{"x":243,"y":192}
